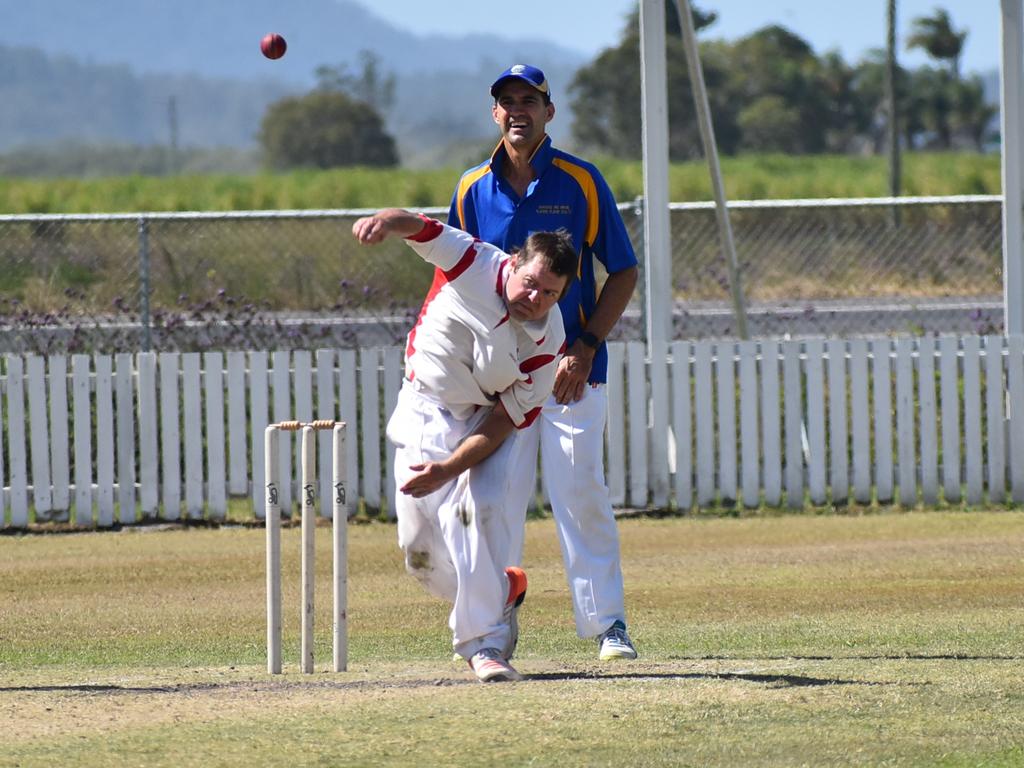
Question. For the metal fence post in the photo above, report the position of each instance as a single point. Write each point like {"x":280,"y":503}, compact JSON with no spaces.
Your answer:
{"x":641,"y":257}
{"x":147,"y":334}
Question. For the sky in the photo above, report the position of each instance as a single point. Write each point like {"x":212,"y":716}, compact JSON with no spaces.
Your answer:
{"x":851,"y":26}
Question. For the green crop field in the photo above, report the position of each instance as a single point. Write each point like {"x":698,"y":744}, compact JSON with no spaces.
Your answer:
{"x":796,"y":640}
{"x":746,"y":177}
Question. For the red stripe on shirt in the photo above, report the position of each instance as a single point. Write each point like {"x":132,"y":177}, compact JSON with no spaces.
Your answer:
{"x":464,"y":263}
{"x":435,"y":287}
{"x":431,"y":229}
{"x":529,"y":418}
{"x":441,"y":278}
{"x":499,"y":288}
{"x":535,"y":362}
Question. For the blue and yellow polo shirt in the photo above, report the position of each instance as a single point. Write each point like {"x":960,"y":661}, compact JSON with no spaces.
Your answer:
{"x":566,"y":193}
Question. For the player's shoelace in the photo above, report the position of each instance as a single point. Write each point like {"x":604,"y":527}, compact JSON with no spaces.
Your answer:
{"x":615,"y":643}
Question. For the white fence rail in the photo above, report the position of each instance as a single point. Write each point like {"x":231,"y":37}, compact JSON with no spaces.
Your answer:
{"x":104,"y":440}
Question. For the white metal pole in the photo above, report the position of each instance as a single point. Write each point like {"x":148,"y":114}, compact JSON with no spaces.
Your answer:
{"x":657,"y":229}
{"x":273,"y":525}
{"x":1011,"y":74}
{"x":654,"y":117}
{"x":340,"y":531}
{"x":308,"y":543}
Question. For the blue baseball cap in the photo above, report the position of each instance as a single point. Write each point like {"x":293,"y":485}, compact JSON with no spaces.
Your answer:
{"x":526,"y":73}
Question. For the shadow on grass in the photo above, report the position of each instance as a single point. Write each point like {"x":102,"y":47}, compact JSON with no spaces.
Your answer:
{"x":87,"y":689}
{"x":879,"y":657}
{"x":765,"y":678}
{"x":752,"y":677}
{"x":280,"y":685}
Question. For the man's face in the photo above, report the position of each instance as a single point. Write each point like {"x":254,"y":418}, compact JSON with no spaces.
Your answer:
{"x":521,"y":114}
{"x":532,"y":289}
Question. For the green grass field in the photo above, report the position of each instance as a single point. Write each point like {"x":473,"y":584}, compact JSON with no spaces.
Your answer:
{"x":746,"y":177}
{"x":879,"y":639}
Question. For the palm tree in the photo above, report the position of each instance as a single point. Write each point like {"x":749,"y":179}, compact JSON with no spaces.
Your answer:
{"x":935,"y":34}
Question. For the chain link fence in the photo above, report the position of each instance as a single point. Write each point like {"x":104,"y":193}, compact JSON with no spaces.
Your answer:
{"x":297,"y":279}
{"x":842,"y":267}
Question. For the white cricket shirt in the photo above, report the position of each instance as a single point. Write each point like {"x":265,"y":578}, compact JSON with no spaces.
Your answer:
{"x":466,"y":350}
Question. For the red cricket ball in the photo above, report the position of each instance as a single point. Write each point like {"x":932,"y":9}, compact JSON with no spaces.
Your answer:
{"x":273,"y":46}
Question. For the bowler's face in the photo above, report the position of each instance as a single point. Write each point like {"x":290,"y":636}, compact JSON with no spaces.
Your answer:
{"x":532,"y":290}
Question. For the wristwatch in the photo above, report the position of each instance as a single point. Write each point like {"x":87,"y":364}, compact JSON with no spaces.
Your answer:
{"x":589,"y":339}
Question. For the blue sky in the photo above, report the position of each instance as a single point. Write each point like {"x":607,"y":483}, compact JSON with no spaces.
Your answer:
{"x":590,"y":25}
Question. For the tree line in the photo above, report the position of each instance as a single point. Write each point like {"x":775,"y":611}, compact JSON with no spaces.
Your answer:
{"x":768,"y":92}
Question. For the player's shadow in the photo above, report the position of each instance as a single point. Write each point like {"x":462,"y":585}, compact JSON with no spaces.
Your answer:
{"x":85,"y":688}
{"x":751,"y":677}
{"x":878,"y":657}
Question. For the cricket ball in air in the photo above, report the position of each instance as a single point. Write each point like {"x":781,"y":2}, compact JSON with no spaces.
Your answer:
{"x":273,"y":46}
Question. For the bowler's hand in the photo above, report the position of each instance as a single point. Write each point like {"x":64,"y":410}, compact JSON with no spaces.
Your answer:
{"x":573,"y":371}
{"x":370,"y":230}
{"x":430,"y":477}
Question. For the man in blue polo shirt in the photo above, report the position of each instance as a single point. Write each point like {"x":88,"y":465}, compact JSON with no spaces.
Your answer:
{"x":529,"y":186}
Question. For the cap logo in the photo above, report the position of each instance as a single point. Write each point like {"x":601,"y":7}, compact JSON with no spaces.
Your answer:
{"x":526,"y":73}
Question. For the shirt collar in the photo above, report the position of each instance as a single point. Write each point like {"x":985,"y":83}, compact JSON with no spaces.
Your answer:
{"x":536,"y":329}
{"x":540,"y":160}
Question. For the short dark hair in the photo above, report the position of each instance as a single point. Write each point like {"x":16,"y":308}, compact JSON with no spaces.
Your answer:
{"x":556,"y":252}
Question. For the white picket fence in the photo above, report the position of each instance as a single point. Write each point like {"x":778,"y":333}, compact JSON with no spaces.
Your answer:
{"x":118,"y":439}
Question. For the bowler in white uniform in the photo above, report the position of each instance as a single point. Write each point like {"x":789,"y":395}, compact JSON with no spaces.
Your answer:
{"x":480,"y":363}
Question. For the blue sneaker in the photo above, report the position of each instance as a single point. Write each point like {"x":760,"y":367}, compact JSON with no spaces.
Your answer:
{"x":615,"y":643}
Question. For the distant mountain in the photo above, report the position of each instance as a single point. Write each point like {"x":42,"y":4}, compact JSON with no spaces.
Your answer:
{"x":220,"y":38}
{"x":54,"y":99}
{"x":106,"y":71}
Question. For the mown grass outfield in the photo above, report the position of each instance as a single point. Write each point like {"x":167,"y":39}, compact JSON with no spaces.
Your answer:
{"x":850,"y":639}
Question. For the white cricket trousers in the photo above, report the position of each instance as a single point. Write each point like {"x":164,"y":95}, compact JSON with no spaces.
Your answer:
{"x":571,"y":442}
{"x":456,"y":545}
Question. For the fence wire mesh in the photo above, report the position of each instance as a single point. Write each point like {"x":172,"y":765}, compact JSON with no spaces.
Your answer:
{"x":296,"y":279}
{"x":842,"y":267}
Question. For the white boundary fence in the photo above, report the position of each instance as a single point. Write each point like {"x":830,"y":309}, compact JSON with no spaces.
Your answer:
{"x":117,"y":439}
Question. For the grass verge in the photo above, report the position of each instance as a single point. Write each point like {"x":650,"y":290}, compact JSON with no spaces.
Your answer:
{"x":883,"y":639}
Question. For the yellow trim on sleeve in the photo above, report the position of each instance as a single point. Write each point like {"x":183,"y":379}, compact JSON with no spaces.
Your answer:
{"x":468,"y":180}
{"x":586,"y":182}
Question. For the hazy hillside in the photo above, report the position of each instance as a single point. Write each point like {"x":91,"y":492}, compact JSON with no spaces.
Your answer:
{"x":105,"y":72}
{"x":220,"y":38}
{"x":53,"y":99}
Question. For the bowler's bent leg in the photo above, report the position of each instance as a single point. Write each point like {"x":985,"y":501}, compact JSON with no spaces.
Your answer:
{"x":421,"y":432}
{"x":481,"y":526}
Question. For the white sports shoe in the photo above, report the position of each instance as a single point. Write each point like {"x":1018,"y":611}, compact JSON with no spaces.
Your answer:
{"x":490,"y":667}
{"x":615,"y":643}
